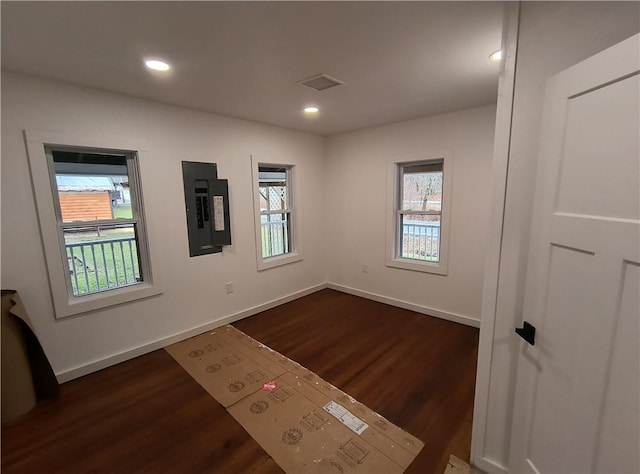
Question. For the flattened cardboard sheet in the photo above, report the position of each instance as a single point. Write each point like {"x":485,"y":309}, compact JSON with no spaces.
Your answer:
{"x":226,"y":367}
{"x":304,"y":423}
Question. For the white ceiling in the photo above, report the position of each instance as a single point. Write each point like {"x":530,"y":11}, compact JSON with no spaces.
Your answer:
{"x":399,"y":60}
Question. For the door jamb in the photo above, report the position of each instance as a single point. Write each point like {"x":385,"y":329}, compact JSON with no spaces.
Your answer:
{"x":502,"y":141}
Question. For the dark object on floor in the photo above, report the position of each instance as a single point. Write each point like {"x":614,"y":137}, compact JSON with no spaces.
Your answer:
{"x":27,"y":375}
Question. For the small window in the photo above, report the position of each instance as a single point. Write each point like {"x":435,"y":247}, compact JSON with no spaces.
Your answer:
{"x":275,"y":210}
{"x":90,"y":207}
{"x":275,"y":226}
{"x":418,"y":227}
{"x":99,"y":219}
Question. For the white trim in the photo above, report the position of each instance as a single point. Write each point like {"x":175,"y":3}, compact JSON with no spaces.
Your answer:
{"x":437,"y":313}
{"x":65,"y":305}
{"x":296,"y":241}
{"x":501,"y":150}
{"x":392,"y":198}
{"x":114,"y":359}
{"x":271,"y":262}
{"x":490,"y":466}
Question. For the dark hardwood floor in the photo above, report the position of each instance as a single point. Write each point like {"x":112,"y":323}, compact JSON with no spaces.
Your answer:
{"x":148,"y":415}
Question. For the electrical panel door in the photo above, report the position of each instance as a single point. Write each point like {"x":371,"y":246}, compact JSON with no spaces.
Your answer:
{"x":207,"y":207}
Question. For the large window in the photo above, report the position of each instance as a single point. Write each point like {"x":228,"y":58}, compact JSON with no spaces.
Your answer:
{"x":91,"y":215}
{"x":417,"y":237}
{"x":99,"y":221}
{"x":276,"y":238}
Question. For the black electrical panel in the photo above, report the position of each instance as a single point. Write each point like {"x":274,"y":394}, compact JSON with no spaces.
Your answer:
{"x":207,"y":206}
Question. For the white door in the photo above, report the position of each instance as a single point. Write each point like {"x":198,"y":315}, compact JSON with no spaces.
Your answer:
{"x":577,"y":392}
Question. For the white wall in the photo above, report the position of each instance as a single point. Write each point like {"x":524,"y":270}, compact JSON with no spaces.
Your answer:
{"x":194,"y":288}
{"x":356,"y":206}
{"x":350,"y":201}
{"x":553,"y":36}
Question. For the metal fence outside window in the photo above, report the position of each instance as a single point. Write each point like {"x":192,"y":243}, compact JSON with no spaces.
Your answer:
{"x":102,"y":265}
{"x":421,"y":241}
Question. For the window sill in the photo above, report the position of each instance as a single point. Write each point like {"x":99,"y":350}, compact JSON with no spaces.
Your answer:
{"x":272,"y":262}
{"x":106,"y":299}
{"x":426,"y":267}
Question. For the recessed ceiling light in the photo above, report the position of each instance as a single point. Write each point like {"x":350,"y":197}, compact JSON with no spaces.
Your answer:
{"x":157,"y":65}
{"x":496,"y":56}
{"x":311,"y":110}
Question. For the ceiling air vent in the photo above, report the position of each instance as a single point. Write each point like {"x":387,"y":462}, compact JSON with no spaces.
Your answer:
{"x":321,"y":82}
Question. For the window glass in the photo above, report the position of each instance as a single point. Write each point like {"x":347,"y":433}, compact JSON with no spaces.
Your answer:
{"x":420,"y":237}
{"x":91,"y":186}
{"x":422,"y":188}
{"x":273,"y":188}
{"x":275,"y":214}
{"x":420,"y":211}
{"x":98,"y":220}
{"x":101,"y":262}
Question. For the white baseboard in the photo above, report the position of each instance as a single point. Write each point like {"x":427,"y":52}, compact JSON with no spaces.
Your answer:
{"x":94,"y":366}
{"x":489,"y":466}
{"x":456,"y":318}
{"x":85,"y":369}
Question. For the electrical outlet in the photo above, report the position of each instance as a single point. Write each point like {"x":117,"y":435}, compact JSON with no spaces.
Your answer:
{"x":230,"y":287}
{"x":365,"y":268}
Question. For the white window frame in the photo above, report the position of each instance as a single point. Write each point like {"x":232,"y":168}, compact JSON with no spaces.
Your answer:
{"x":394,"y":203}
{"x":295,"y":242}
{"x":65,"y":304}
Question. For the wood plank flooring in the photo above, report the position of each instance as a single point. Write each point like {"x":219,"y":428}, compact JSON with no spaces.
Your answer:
{"x":148,"y":415}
